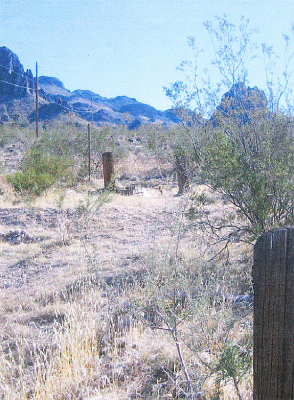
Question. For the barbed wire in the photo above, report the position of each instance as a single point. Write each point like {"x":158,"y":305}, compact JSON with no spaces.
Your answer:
{"x":47,"y":98}
{"x":14,"y":84}
{"x":17,"y":73}
{"x":54,"y":101}
{"x":50,"y":101}
{"x":32,"y":80}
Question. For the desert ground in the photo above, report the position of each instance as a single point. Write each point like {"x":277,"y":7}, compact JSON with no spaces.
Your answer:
{"x":105,"y":295}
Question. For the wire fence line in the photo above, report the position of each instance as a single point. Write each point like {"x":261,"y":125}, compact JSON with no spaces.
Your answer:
{"x":49,"y":100}
{"x":14,"y":84}
{"x":17,"y":73}
{"x":33,"y":80}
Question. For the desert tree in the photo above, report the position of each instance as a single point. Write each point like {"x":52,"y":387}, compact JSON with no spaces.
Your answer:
{"x":244,"y":138}
{"x":278,"y":86}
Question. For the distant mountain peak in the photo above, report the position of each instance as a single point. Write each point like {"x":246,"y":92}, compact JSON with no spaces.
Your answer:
{"x":50,"y":80}
{"x":239,"y":103}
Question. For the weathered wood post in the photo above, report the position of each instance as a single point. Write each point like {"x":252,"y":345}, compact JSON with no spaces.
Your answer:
{"x":181,"y":170}
{"x":108,"y":168}
{"x":273,"y":281}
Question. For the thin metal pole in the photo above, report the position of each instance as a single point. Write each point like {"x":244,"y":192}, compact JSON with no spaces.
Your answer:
{"x":91,"y":113}
{"x":89,"y":151}
{"x":37,"y":102}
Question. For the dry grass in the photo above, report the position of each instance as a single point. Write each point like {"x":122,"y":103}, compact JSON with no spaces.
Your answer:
{"x":80,"y":305}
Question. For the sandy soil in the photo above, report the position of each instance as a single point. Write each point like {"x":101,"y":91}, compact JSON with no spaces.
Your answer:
{"x":65,"y":247}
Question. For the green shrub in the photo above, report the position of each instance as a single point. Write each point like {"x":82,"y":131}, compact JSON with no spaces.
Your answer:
{"x":31,"y":182}
{"x":46,"y":163}
{"x":234,"y":362}
{"x":253,"y":169}
{"x":38,"y":172}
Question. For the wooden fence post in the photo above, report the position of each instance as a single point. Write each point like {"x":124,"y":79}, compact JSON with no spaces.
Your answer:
{"x":108,"y":168}
{"x":273,"y":337}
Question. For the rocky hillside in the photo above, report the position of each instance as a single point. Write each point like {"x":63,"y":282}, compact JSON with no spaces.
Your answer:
{"x":55,"y":101}
{"x":20,"y":82}
{"x":240,"y":103}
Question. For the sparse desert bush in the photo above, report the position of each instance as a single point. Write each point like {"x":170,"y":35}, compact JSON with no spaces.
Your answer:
{"x":72,"y":141}
{"x":31,"y":182}
{"x":233,"y":363}
{"x":39,"y":171}
{"x":197,"y":323}
{"x":182,"y":299}
{"x":44,"y":162}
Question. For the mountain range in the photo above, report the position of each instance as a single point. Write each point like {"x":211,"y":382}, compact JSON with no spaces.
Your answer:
{"x":56,"y":103}
{"x":17,"y":101}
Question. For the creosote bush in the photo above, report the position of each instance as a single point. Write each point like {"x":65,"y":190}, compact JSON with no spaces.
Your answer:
{"x":244,"y":140}
{"x":40,"y":170}
{"x":253,"y":169}
{"x":31,"y":182}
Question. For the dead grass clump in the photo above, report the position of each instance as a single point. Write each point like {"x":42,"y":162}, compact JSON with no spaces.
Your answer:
{"x":91,"y":356}
{"x":75,"y":361}
{"x":14,"y":383}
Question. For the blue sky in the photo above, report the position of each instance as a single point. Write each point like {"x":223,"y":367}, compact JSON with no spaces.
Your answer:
{"x":126,"y":47}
